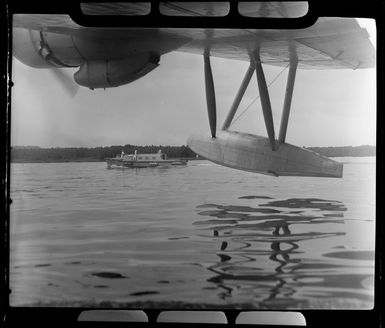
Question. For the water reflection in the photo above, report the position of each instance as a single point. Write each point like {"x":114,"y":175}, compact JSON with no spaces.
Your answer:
{"x":265,"y":252}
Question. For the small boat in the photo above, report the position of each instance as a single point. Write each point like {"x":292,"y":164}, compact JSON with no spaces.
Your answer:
{"x":136,"y":160}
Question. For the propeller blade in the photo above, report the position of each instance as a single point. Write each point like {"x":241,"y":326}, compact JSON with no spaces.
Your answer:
{"x":66,"y":81}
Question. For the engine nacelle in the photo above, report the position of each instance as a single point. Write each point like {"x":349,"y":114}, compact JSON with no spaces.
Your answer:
{"x":26,"y":47}
{"x":44,"y":50}
{"x":104,"y":63}
{"x":113,"y":73}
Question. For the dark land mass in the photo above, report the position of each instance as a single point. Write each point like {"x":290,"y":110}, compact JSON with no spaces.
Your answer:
{"x":34,"y":154}
{"x":347,"y":151}
{"x":28,"y":154}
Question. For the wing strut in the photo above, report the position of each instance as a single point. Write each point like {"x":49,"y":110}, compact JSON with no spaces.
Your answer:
{"x":263,"y":94}
{"x":265,"y":99}
{"x":210,"y":94}
{"x":288,"y":98}
{"x":239,"y":96}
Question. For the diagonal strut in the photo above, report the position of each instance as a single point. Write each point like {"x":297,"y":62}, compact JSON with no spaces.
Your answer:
{"x":239,"y":96}
{"x":288,"y":97}
{"x":265,"y":99}
{"x":263,"y":95}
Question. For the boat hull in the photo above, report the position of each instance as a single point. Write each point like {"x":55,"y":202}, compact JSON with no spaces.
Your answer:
{"x":144,"y":164}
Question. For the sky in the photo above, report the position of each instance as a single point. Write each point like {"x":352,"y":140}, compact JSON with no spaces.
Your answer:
{"x":329,"y":107}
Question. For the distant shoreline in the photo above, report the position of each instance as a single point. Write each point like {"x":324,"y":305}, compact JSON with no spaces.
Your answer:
{"x":30,"y":154}
{"x":101,"y":161}
{"x":87,"y":160}
{"x":80,"y":160}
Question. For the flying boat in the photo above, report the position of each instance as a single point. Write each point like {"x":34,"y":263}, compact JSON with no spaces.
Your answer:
{"x":111,"y":56}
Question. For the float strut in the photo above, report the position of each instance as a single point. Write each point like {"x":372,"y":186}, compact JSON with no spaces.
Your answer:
{"x":239,"y":96}
{"x":210,"y":94}
{"x":288,"y":98}
{"x":265,"y":99}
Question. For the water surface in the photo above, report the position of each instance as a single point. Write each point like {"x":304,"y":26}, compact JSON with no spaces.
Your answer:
{"x":201,"y":236}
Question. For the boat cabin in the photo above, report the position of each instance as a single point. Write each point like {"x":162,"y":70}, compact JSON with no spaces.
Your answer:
{"x":159,"y":156}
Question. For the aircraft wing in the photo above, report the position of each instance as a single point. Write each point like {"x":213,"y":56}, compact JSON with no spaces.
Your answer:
{"x":331,"y":43}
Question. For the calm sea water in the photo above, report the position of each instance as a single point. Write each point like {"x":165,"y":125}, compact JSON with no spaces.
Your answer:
{"x":196,"y":236}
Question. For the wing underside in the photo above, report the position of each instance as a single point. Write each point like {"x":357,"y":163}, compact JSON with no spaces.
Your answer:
{"x":331,"y":43}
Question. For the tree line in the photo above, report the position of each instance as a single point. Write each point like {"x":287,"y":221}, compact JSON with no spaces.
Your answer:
{"x":37,"y":154}
{"x":358,"y":151}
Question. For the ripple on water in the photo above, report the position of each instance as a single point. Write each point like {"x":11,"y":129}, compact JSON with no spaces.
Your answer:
{"x":352,"y":255}
{"x":108,"y":275}
{"x":255,"y":197}
{"x":243,"y":258}
{"x":314,"y":203}
{"x":143,"y":293}
{"x":239,"y":208}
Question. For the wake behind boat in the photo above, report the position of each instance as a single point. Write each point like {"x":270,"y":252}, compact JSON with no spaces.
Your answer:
{"x":143,"y":160}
